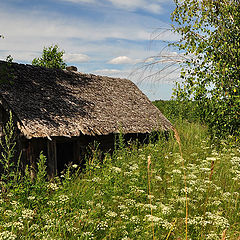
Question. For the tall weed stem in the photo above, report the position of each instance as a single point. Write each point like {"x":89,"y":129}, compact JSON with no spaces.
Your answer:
{"x":149,"y":190}
{"x":177,"y":137}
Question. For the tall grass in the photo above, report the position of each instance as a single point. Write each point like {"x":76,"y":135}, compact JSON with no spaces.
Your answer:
{"x":179,"y":110}
{"x":136,"y":193}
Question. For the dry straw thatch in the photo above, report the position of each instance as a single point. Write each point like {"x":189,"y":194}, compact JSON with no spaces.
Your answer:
{"x":51,"y":102}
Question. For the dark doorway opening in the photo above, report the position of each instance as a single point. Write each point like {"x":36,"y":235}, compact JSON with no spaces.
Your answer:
{"x":64,"y":155}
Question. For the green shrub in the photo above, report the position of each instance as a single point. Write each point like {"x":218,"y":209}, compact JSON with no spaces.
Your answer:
{"x":52,"y":57}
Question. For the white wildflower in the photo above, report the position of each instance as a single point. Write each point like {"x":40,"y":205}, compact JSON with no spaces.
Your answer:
{"x":10,"y":213}
{"x":211,"y":159}
{"x":126,"y":238}
{"x":63,"y":198}
{"x":96,"y":179}
{"x":15,"y":204}
{"x":34,"y":227}
{"x":134,"y":180}
{"x":7,"y":225}
{"x":205,"y":148}
{"x":18,"y":225}
{"x":149,"y":206}
{"x":130,"y":202}
{"x":195,"y":221}
{"x":74,"y":165}
{"x":101,"y":206}
{"x":134,"y":167}
{"x":216,"y":203}
{"x":235,"y":161}
{"x":226,"y":195}
{"x":6,"y":235}
{"x":151,"y":218}
{"x":192,"y":176}
{"x":116,"y":169}
{"x":83,"y":211}
{"x":128,"y":173}
{"x":88,"y":235}
{"x":158,"y":178}
{"x":189,"y":190}
{"x":194,"y":154}
{"x":217,"y":220}
{"x":150,"y":196}
{"x":135,"y":219}
{"x":111,"y":214}
{"x":140,"y":191}
{"x":124,"y":216}
{"x":45,"y":216}
{"x":166,"y":224}
{"x":27,"y":214}
{"x":53,"y":186}
{"x":51,"y":203}
{"x":102,"y":226}
{"x":212,"y":236}
{"x":89,"y":202}
{"x":122,"y":207}
{"x":236,"y":194}
{"x":166,"y":210}
{"x":176,"y":171}
{"x":31,"y":198}
{"x":205,"y":169}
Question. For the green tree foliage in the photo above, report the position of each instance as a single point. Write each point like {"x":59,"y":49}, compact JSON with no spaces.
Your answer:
{"x":52,"y":57}
{"x":6,"y":71}
{"x":210,"y":37}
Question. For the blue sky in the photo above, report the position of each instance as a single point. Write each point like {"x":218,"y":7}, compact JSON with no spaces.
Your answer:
{"x":104,"y":37}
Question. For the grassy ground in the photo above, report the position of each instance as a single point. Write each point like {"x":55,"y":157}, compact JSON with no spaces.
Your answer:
{"x":134,"y":194}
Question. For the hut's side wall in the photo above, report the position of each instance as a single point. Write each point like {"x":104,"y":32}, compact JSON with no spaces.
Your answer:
{"x":63,"y":150}
{"x":4,"y":117}
{"x":60,"y":151}
{"x":1,"y":121}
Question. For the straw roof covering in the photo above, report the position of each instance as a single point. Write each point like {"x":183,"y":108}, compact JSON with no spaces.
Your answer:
{"x":51,"y":102}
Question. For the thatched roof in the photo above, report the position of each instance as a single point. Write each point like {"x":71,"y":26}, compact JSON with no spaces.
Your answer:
{"x":50,"y":102}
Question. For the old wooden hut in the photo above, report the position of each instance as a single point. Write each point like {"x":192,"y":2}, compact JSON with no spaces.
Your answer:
{"x":61,"y":111}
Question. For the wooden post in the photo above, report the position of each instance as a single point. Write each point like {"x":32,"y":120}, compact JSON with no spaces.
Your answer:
{"x":52,"y":158}
{"x":32,"y":159}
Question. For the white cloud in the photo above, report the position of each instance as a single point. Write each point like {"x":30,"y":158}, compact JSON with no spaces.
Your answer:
{"x":79,"y":1}
{"x":154,"y":8}
{"x":32,"y":27}
{"x":106,"y":71}
{"x":149,"y":59}
{"x":27,"y":33}
{"x":76,"y":57}
{"x":116,"y":73}
{"x":110,"y":72}
{"x":18,"y":55}
{"x":129,"y":5}
{"x":137,"y":4}
{"x":121,"y":60}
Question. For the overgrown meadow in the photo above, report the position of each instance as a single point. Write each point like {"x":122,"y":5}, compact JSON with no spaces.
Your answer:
{"x":154,"y":191}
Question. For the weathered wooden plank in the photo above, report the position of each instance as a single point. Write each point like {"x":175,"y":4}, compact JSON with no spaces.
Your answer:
{"x":52,"y":158}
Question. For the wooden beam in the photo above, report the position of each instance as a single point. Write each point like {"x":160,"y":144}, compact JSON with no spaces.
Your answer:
{"x":52,"y":158}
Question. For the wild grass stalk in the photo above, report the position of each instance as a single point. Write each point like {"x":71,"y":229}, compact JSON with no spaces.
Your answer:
{"x":149,"y":170}
{"x":224,"y":235}
{"x":177,"y":137}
